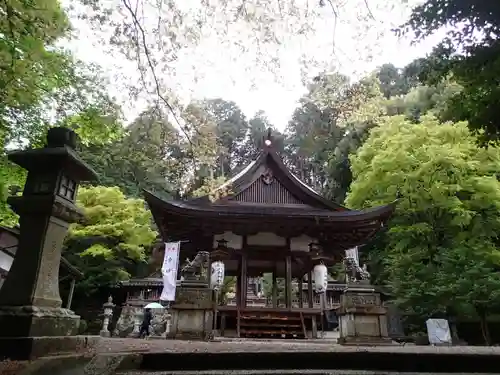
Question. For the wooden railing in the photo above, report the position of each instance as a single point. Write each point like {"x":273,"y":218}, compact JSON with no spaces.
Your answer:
{"x":330,"y":302}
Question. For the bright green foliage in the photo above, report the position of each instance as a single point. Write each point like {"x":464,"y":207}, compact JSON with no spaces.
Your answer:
{"x":10,"y":176}
{"x":27,"y":67}
{"x":211,"y":188}
{"x":110,"y":214}
{"x":112,"y":241}
{"x":42,"y":86}
{"x":440,"y":253}
{"x":39,"y":82}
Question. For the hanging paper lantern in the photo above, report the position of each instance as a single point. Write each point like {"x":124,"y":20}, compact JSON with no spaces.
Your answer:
{"x":320,"y":278}
{"x":217,"y":276}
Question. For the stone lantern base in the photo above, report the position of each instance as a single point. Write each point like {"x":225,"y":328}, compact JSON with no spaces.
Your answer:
{"x":21,"y":321}
{"x":362,"y":318}
{"x":29,"y":332}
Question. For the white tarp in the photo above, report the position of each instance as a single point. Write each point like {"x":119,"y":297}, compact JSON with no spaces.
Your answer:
{"x":438,"y":331}
{"x":353,"y":253}
{"x":169,"y":270}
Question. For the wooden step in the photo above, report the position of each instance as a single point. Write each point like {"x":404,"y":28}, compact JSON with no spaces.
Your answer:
{"x":268,"y":317}
{"x":268,"y":324}
{"x":271,"y":333}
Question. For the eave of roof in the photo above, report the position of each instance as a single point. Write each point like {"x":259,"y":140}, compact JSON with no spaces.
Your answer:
{"x":188,"y":209}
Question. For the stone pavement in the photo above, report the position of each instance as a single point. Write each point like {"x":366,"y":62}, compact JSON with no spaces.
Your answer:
{"x":128,"y":345}
{"x":232,"y":357}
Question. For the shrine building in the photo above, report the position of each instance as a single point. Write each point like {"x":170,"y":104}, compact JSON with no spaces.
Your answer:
{"x":265,"y":220}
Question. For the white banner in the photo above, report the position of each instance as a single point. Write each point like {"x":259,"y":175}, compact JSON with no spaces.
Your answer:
{"x":353,"y":253}
{"x":169,"y":270}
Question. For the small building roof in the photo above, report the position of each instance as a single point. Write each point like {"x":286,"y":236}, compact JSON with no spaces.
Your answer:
{"x":72,"y":270}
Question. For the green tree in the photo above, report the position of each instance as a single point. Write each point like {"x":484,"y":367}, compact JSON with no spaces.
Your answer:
{"x":150,"y":155}
{"x":315,"y":129}
{"x":392,"y":81}
{"x":11,"y":178}
{"x":470,"y":53}
{"x":259,"y":125}
{"x":40,"y":82}
{"x":42,"y":85}
{"x":445,"y":227}
{"x":422,"y":100}
{"x":368,"y":107}
{"x":112,"y":241}
{"x":231,"y":130}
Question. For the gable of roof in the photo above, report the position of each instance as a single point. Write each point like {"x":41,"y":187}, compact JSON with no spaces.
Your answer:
{"x":268,"y":181}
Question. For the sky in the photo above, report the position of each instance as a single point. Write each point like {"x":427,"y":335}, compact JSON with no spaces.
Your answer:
{"x":263,"y":77}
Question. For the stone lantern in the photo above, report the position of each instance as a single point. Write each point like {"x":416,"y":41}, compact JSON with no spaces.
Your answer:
{"x":108,"y":313}
{"x":30,"y":304}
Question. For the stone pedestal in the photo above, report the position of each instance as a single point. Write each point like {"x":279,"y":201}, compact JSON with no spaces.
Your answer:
{"x":362,"y":318}
{"x":138,"y":316}
{"x":192,"y":313}
{"x":30,"y":305}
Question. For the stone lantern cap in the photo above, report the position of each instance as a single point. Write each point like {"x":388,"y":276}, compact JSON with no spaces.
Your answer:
{"x":58,"y":153}
{"x":109,"y":303}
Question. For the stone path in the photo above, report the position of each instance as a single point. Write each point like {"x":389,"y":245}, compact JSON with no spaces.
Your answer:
{"x":117,"y":345}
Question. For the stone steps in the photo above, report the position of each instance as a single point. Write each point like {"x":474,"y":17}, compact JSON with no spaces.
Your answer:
{"x":362,"y":361}
{"x":283,"y":372}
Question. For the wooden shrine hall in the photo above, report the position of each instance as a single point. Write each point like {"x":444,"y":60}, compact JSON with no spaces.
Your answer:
{"x":265,"y":220}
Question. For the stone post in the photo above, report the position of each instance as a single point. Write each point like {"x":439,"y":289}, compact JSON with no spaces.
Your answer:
{"x":32,"y":319}
{"x":362,"y":318}
{"x":168,"y":324}
{"x":108,"y":313}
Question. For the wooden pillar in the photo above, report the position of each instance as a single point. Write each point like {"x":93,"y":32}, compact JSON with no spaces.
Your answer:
{"x":309,"y":290}
{"x":288,"y":281}
{"x":70,"y":294}
{"x":243,"y":281}
{"x":314,"y":327}
{"x":275,"y":288}
{"x":238,"y":290}
{"x":238,"y":299}
{"x":301,"y":300}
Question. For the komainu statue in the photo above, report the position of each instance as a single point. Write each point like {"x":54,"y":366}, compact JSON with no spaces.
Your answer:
{"x":196,"y":268}
{"x":355,"y":273}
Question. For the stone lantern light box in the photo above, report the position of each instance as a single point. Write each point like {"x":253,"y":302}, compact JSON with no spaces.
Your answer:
{"x":55,"y":169}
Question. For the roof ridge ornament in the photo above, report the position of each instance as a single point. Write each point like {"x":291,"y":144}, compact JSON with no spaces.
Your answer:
{"x":267,"y":176}
{"x":268,"y":141}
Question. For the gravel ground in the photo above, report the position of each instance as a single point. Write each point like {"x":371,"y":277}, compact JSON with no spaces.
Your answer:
{"x":116,"y":345}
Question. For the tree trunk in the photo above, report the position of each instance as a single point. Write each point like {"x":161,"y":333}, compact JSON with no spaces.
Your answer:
{"x":451,"y":317}
{"x":484,"y":327}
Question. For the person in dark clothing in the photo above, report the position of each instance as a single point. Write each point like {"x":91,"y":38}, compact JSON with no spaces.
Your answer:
{"x":146,"y":322}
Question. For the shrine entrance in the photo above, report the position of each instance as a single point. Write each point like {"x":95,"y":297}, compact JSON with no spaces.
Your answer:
{"x":265,"y":220}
